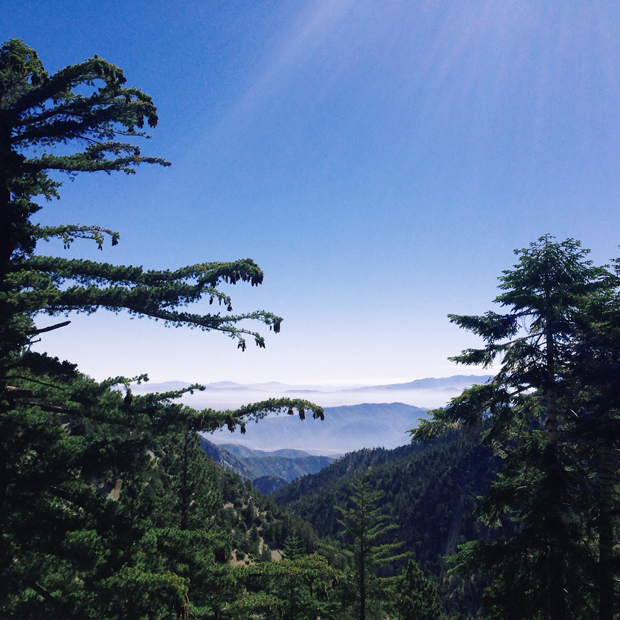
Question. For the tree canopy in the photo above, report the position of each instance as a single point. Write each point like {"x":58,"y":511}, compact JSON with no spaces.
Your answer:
{"x":542,"y":413}
{"x":364,"y":532}
{"x":84,"y":465}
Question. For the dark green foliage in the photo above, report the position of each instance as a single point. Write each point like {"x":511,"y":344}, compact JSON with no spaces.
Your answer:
{"x":415,"y":596}
{"x":293,"y":549}
{"x":268,"y":484}
{"x":429,"y":491}
{"x":265,"y":554}
{"x":299,"y":586}
{"x":95,"y":445}
{"x":593,"y":378}
{"x":365,"y":535}
{"x":539,"y":415}
{"x":97,"y":533}
{"x":108,"y":506}
{"x":298,"y":589}
{"x":274,"y":523}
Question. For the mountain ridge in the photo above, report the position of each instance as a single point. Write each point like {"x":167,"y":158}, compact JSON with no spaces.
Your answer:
{"x":345,"y":429}
{"x":429,"y":383}
{"x":263,"y":467}
{"x":453,"y":381}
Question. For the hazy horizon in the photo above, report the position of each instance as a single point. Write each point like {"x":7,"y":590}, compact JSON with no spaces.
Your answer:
{"x":215,"y":397}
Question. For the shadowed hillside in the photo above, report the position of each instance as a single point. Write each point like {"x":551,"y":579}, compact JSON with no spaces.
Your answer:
{"x":429,"y":492}
{"x":285,"y":465}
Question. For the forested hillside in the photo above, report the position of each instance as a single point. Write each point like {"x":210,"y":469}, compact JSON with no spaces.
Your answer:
{"x":259,"y":526}
{"x":429,"y":491}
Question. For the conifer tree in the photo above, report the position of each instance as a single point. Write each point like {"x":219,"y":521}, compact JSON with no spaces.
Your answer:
{"x":525,"y":412}
{"x":416,"y":596}
{"x":593,"y":379}
{"x":293,"y":549}
{"x":364,"y":528}
{"x":265,"y":554}
{"x":82,"y":532}
{"x":300,"y":589}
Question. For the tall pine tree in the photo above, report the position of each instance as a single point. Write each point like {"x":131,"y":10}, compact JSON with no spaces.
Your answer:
{"x":539,"y":561}
{"x":364,"y":532}
{"x":82,"y":532}
{"x":593,"y":379}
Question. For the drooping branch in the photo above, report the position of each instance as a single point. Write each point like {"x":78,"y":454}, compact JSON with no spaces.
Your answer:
{"x":90,"y":272}
{"x":211,"y":419}
{"x":156,"y":294}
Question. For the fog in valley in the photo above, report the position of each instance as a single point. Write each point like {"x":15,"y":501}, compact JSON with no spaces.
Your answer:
{"x":360,"y":417}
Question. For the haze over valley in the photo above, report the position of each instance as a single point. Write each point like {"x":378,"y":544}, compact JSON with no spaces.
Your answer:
{"x":372,"y":416}
{"x":427,"y":393}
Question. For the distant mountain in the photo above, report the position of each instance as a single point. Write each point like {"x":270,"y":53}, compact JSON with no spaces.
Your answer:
{"x":456,"y":382}
{"x":254,"y":464}
{"x":248,"y":453}
{"x":226,"y":459}
{"x":344,"y":429}
{"x":287,"y":468}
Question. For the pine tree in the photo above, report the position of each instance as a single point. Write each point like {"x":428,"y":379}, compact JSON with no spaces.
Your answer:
{"x":539,"y":561}
{"x":300,"y":589}
{"x":593,"y":378}
{"x":293,"y":548}
{"x":84,"y":534}
{"x":265,"y":554}
{"x":416,"y":596}
{"x":363,"y":530}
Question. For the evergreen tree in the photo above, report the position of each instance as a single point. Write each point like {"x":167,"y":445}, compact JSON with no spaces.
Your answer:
{"x":540,"y":564}
{"x":363,"y":530}
{"x":293,"y":548}
{"x":265,"y":554}
{"x":300,"y":589}
{"x":83,"y":466}
{"x":416,"y":596}
{"x":595,"y":432}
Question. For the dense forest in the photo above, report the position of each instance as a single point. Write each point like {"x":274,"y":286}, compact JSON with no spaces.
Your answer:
{"x":505,"y":506}
{"x":428,"y":491}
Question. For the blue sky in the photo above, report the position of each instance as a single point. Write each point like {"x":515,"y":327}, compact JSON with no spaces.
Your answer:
{"x":380,"y":160}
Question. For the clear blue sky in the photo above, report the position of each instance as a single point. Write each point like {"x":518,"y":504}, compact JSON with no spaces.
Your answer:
{"x":380,"y":160}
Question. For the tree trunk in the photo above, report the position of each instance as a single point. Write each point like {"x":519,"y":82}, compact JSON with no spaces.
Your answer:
{"x":557,"y":603}
{"x":363,"y":560}
{"x":606,"y":535}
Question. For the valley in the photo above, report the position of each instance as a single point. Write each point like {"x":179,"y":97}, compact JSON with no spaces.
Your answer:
{"x":267,"y":471}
